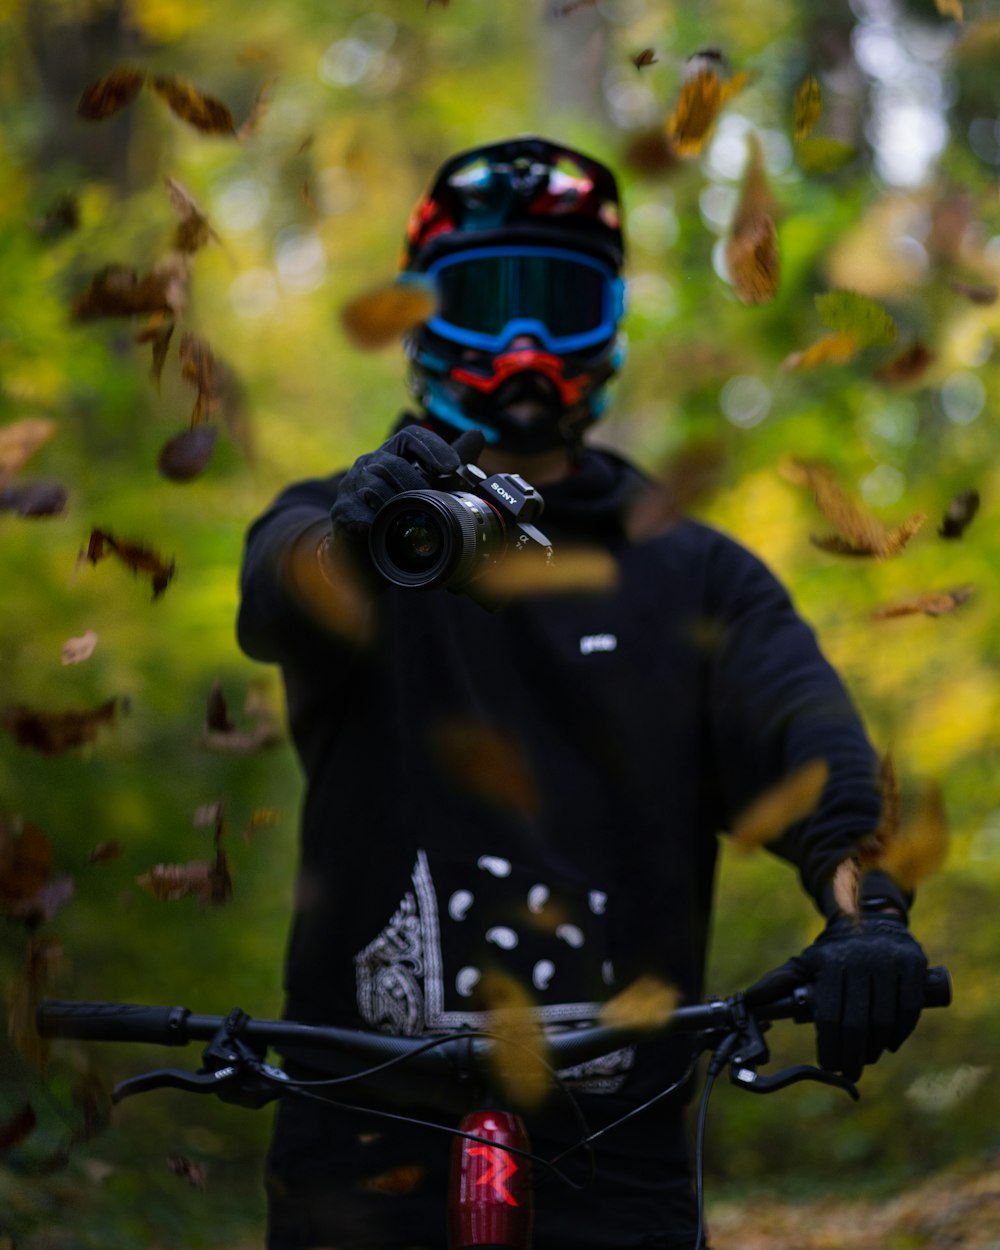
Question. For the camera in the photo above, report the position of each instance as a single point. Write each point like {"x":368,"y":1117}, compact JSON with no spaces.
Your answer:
{"x":450,"y":536}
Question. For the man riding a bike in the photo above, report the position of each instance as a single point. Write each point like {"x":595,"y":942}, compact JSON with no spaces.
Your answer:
{"x":519,"y":781}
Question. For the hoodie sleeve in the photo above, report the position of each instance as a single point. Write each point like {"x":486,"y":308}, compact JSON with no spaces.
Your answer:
{"x":294,"y":596}
{"x":775,"y":705}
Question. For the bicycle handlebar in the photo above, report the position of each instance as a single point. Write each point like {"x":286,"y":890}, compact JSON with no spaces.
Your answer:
{"x":177,"y":1026}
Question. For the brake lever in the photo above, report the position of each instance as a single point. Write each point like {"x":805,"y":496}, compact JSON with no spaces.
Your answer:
{"x":173,"y":1078}
{"x":748,"y":1078}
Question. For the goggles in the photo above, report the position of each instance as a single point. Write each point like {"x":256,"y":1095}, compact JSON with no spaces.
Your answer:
{"x":488,"y":296}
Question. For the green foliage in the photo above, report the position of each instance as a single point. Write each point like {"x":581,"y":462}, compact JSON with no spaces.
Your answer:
{"x":306,"y":212}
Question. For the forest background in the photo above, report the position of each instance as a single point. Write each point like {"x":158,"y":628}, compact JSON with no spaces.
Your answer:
{"x":854,"y":158}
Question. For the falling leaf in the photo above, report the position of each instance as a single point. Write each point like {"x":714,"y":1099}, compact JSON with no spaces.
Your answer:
{"x":808,"y":107}
{"x":193,"y":229}
{"x":210,"y":815}
{"x":908,"y":367}
{"x":117,"y":291}
{"x":207,"y":881}
{"x":701,"y":98}
{"x":847,"y":312}
{"x":960,"y":514}
{"x":687,"y":479}
{"x":752,"y":247}
{"x":158,"y":331}
{"x":34,"y":499}
{"x":534,"y":572}
{"x":187,"y":454}
{"x":135,"y":556}
{"x":53,"y":733}
{"x":819,"y":154}
{"x":940,"y":604}
{"x":111,"y":94}
{"x":951,"y":8}
{"x":330,"y":584}
{"x":921,"y":846}
{"x":25,"y":860}
{"x":519,"y":1056}
{"x":771,"y":813}
{"x":649,"y":153}
{"x":403,"y":1179}
{"x":261,"y":103}
{"x":195,"y":1174}
{"x":193,"y":106}
{"x":76,"y":650}
{"x":832,"y":349}
{"x":646,"y":57}
{"x":859,"y":532}
{"x":198,"y":368}
{"x":487,"y":762}
{"x":28,"y":987}
{"x":221,"y":733}
{"x":105,"y":852}
{"x":15,"y":1128}
{"x":873,"y":847}
{"x":846,"y":887}
{"x":984,"y":293}
{"x":20,"y":440}
{"x":380,"y":316}
{"x":648,"y":1003}
{"x":217,"y":718}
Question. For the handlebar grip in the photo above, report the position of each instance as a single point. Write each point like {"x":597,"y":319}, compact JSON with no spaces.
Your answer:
{"x":113,"y":1022}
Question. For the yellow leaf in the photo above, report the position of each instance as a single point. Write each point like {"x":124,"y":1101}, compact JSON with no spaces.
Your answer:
{"x":951,"y":8}
{"x":771,"y":813}
{"x":921,"y":847}
{"x":939,"y":604}
{"x":519,"y":1058}
{"x":819,"y":154}
{"x":534,"y":573}
{"x":832,"y":349}
{"x":699,"y":102}
{"x":378,"y":317}
{"x":847,"y":312}
{"x":648,"y":1003}
{"x":808,"y":106}
{"x":19,"y":441}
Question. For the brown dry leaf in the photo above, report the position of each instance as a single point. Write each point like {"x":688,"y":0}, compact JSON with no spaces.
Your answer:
{"x":702,"y":97}
{"x":648,"y":1003}
{"x":860,"y":534}
{"x":170,"y":882}
{"x":689,"y":478}
{"x":940,"y":604}
{"x":646,"y":57}
{"x":76,"y":650}
{"x":27,"y":988}
{"x":34,"y":499}
{"x":25,"y":860}
{"x":403,"y":1179}
{"x":752,"y":247}
{"x":52,"y":733}
{"x":198,"y":367}
{"x":135,"y":556}
{"x":534,"y":572}
{"x":15,"y":1128}
{"x":959,"y":514}
{"x":195,"y":1174}
{"x":847,"y":887}
{"x":221,"y":733}
{"x":772,"y":812}
{"x":105,"y":852}
{"x":193,"y":228}
{"x":908,"y":367}
{"x":808,"y":107}
{"x":158,"y":331}
{"x":649,"y":153}
{"x":889,"y":818}
{"x":331,"y":587}
{"x":186,"y":101}
{"x":111,"y":94}
{"x":186,"y":455}
{"x":831,"y":349}
{"x":20,"y":440}
{"x":261,"y":103}
{"x":983,"y":293}
{"x":921,"y":847}
{"x":220,"y":881}
{"x":519,"y":1059}
{"x":378,"y":317}
{"x":217,"y":718}
{"x":117,"y":291}
{"x":487,"y":762}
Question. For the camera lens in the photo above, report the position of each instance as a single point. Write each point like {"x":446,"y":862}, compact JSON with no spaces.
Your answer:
{"x":413,"y":541}
{"x":425,"y":538}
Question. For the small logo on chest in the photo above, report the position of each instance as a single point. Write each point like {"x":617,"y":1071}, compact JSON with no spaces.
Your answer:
{"x":590,"y":643}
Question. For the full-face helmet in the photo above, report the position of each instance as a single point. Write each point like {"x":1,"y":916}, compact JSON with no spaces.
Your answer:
{"x":523,"y":241}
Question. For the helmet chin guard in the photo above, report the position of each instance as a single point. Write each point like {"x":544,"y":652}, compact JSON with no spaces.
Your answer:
{"x":523,"y":241}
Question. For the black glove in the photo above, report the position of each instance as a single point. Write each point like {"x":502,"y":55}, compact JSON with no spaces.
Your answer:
{"x":867,"y":976}
{"x":406,"y":462}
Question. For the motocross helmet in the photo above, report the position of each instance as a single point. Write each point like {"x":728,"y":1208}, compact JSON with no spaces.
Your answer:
{"x":523,"y":242}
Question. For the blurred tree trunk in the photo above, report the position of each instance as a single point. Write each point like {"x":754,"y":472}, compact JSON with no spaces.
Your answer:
{"x":573,"y":56}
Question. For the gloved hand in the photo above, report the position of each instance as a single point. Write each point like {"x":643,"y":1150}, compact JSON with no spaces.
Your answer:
{"x":405,"y":462}
{"x":867,"y":976}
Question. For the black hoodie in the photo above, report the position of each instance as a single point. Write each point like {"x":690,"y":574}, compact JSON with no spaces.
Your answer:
{"x":537,"y":790}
